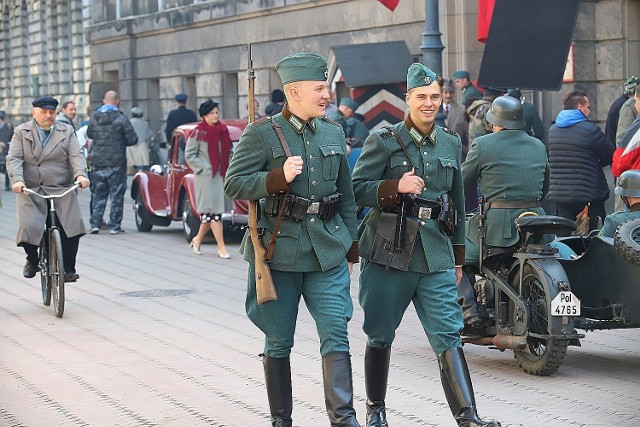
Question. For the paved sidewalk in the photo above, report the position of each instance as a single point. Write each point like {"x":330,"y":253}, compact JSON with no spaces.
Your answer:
{"x":154,"y":335}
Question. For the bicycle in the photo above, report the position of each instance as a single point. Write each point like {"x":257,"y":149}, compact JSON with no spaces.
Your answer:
{"x":50,"y":257}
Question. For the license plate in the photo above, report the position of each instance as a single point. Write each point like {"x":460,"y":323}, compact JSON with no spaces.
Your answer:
{"x":565,"y":304}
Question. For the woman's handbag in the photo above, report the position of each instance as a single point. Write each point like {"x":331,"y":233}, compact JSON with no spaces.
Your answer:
{"x":394,"y":241}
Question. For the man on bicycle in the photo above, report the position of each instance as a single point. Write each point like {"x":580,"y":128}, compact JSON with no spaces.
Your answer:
{"x":45,"y":157}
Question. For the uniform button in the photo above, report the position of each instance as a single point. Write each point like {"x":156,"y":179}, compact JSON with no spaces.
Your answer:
{"x":448,"y":164}
{"x":424,"y":190}
{"x":425,"y":153}
{"x":337,"y":227}
{"x":311,"y":156}
{"x":313,"y":169}
{"x":278,"y":231}
{"x":426,"y":165}
{"x":422,"y":223}
{"x":426,"y":177}
{"x":333,"y":152}
{"x":313,"y":197}
{"x":312,"y":220}
{"x":308,"y":142}
{"x":313,"y":182}
{"x":404,"y":163}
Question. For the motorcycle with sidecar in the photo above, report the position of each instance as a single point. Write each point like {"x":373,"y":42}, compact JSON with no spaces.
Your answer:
{"x":532,"y":301}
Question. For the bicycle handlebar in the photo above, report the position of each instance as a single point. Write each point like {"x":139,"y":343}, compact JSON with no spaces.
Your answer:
{"x":75,"y":185}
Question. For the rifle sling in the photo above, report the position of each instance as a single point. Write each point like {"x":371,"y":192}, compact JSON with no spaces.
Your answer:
{"x":272,"y":243}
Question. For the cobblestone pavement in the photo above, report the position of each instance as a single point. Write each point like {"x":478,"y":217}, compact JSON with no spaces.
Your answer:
{"x":154,"y":335}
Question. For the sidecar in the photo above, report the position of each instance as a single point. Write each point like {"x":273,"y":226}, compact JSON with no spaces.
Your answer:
{"x":605,"y":277}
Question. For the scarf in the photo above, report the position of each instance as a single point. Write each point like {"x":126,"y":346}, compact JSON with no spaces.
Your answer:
{"x":218,"y":145}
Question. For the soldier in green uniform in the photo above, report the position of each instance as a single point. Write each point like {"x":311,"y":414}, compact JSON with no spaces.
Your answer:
{"x":462,"y":81}
{"x":628,"y":189}
{"x":317,"y":241}
{"x":406,"y":189}
{"x":513,"y":171}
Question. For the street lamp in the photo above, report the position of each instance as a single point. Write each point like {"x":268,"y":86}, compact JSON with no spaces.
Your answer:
{"x":432,"y":46}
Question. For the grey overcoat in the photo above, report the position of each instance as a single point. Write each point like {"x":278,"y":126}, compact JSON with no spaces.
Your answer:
{"x":48,"y":171}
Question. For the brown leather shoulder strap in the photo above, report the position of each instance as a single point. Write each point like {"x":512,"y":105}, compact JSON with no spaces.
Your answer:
{"x":272,"y":243}
{"x":401,"y":144}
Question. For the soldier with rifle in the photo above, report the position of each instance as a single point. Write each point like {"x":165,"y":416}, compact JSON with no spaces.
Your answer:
{"x":295,"y":165}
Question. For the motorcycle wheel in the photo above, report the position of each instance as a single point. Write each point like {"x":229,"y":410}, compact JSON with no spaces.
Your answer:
{"x":627,"y":241}
{"x":541,"y":357}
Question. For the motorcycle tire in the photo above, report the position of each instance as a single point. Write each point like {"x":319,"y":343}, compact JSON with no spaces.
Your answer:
{"x":627,"y":241}
{"x":541,"y":357}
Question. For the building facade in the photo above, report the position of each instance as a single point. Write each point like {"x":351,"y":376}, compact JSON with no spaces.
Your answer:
{"x":149,"y":50}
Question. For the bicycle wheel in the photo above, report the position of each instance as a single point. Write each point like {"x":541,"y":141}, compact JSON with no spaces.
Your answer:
{"x":56,"y":272}
{"x":43,"y":267}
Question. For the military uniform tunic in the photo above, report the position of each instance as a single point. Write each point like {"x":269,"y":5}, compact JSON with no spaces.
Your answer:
{"x":616,"y":219}
{"x":430,"y":282}
{"x":511,"y":166}
{"x":310,"y":256}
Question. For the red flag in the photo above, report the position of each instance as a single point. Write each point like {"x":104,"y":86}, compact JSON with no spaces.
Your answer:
{"x":390,"y":4}
{"x":485,"y":11}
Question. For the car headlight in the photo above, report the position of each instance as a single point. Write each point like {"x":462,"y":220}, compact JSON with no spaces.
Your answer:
{"x":157,"y":169}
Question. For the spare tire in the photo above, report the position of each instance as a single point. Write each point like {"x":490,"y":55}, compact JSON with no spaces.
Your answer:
{"x":627,"y":241}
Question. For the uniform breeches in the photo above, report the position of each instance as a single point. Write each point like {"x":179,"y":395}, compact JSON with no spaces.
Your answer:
{"x":108,"y":183}
{"x":386,"y":294}
{"x":326,"y":295}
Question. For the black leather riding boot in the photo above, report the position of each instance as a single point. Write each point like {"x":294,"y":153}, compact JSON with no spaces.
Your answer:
{"x":376,"y":373}
{"x":277,"y":374}
{"x":338,"y":390}
{"x":467,"y":299}
{"x":456,"y":382}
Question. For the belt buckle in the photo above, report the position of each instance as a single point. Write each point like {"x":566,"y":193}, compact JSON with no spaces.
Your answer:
{"x":313,"y":208}
{"x":424,"y":213}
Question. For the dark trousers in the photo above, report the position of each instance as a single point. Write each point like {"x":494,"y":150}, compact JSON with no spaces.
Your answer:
{"x":69,"y":249}
{"x":109,"y":183}
{"x":571,"y":210}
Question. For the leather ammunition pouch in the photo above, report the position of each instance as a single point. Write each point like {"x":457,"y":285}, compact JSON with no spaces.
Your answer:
{"x":448,"y":217}
{"x":296,"y":208}
{"x":394,"y":240}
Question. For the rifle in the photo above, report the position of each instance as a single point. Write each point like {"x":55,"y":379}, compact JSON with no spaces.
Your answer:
{"x":265,"y":288}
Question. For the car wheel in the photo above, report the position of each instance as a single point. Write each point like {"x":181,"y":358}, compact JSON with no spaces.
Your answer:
{"x":141,"y":215}
{"x":627,"y":241}
{"x":190,"y":222}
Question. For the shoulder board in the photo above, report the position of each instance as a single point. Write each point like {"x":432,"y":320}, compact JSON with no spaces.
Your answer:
{"x":328,"y":120}
{"x":262,"y":121}
{"x":385,"y":132}
{"x":449,"y":131}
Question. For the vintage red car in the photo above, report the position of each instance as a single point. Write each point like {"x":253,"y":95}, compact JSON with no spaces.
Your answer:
{"x":166,"y":193}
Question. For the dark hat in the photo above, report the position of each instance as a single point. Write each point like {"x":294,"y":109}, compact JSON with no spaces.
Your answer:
{"x":2,"y":115}
{"x":461,"y":74}
{"x":515,"y":93}
{"x":303,"y":66}
{"x":181,"y":97}
{"x":137,"y":112}
{"x":506,"y":111}
{"x":277,"y":96}
{"x":45,"y":102}
{"x":206,"y":107}
{"x":348,"y":102}
{"x":419,"y":75}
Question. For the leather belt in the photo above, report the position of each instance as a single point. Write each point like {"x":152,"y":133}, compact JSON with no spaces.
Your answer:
{"x":420,"y":212}
{"x":512,"y":204}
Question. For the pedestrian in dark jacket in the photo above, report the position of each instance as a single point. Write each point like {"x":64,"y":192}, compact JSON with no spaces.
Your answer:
{"x":179,"y":116}
{"x":578,"y":150}
{"x":111,"y":132}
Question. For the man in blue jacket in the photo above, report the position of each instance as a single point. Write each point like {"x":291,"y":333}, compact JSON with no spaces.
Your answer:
{"x":578,"y":150}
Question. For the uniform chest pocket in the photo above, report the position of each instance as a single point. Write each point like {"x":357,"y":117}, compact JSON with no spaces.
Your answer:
{"x":399,"y":164}
{"x":331,"y":159}
{"x":446,"y":168}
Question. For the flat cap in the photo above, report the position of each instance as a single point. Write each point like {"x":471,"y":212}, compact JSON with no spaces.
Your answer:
{"x":419,"y":75}
{"x":461,"y":74}
{"x":45,"y":102}
{"x":630,"y":85}
{"x":181,"y":97}
{"x":302,"y":66}
{"x":348,"y":102}
{"x":137,"y":111}
{"x":206,"y":107}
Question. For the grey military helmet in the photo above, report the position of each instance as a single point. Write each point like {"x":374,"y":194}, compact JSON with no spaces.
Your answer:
{"x":629,"y":184}
{"x":506,"y":112}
